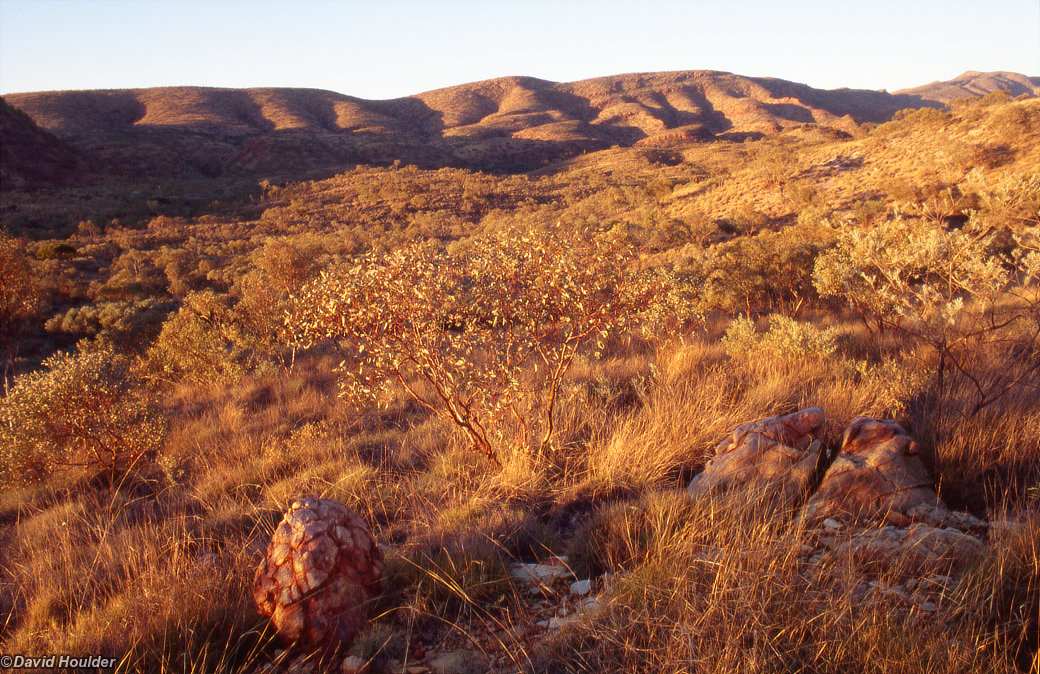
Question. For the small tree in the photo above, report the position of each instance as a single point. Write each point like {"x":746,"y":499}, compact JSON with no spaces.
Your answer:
{"x":202,"y":342}
{"x":456,"y":331}
{"x":19,"y":300}
{"x":86,"y":409}
{"x":946,"y":290}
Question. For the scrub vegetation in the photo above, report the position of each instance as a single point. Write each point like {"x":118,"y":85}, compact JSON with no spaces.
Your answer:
{"x":497,"y":368}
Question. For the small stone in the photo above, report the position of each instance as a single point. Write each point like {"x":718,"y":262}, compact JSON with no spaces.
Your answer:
{"x":301,"y":665}
{"x":557,"y":622}
{"x":543,"y":573}
{"x":460,"y":662}
{"x":929,"y":606}
{"x":352,"y":665}
{"x":943,"y":582}
{"x":542,"y":623}
{"x":511,"y":633}
{"x":831,"y":525}
{"x":581,"y":587}
{"x":588,"y":605}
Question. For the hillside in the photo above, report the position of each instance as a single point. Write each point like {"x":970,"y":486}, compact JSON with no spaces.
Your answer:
{"x":680,"y":357}
{"x":31,"y":157}
{"x":512,"y":123}
{"x":972,"y":84}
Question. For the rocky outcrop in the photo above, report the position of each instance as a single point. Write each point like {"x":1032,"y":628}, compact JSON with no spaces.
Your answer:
{"x":914,"y":550}
{"x":777,"y":455}
{"x":320,"y":575}
{"x":878,"y":476}
{"x":874,"y":503}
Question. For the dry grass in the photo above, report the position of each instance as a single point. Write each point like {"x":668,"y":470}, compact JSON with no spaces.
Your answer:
{"x":158,"y":571}
{"x":720,"y":586}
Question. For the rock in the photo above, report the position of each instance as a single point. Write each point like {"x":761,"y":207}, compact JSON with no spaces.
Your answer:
{"x":559,"y":622}
{"x":539,"y":573}
{"x":939,"y":517}
{"x":461,"y":662}
{"x":776,"y":453}
{"x":352,"y":665}
{"x":320,"y":575}
{"x":588,"y":605}
{"x":581,"y":587}
{"x":831,"y":525}
{"x":877,"y":477}
{"x":303,"y":664}
{"x":913,"y":551}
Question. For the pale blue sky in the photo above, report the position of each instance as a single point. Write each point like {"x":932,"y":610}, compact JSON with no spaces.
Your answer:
{"x":388,"y":48}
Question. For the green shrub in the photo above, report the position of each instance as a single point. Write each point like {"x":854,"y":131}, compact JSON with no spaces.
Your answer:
{"x":126,"y":324}
{"x":54,"y":250}
{"x":87,"y":409}
{"x":785,"y":337}
{"x":200,"y":343}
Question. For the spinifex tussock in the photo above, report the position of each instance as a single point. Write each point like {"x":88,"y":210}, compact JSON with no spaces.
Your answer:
{"x":721,"y":584}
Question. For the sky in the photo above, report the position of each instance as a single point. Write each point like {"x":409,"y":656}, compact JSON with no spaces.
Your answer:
{"x":389,"y":48}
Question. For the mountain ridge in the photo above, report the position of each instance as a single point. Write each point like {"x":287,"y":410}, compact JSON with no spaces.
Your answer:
{"x":975,"y":83}
{"x":514,"y":123}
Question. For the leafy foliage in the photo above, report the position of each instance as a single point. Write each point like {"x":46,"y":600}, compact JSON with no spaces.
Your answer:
{"x":86,"y":409}
{"x":203,"y":342}
{"x":19,"y":299}
{"x":785,"y":337}
{"x":768,"y":270}
{"x":945,"y":289}
{"x":457,"y":330}
{"x":128,"y":324}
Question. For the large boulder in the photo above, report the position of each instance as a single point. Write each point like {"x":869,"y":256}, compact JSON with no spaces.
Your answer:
{"x":321,"y":573}
{"x":776,"y":455}
{"x":878,"y":476}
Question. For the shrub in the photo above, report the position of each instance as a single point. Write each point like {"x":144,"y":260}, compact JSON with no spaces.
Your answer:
{"x":19,"y":300}
{"x":946,"y":291}
{"x":768,"y":270}
{"x":785,"y":337}
{"x":54,"y":250}
{"x":456,"y":330}
{"x":87,"y":409}
{"x":200,"y":343}
{"x":126,"y":324}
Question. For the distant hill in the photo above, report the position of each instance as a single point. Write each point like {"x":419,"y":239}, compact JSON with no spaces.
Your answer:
{"x":974,"y":83}
{"x":505,"y":124}
{"x":31,"y":157}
